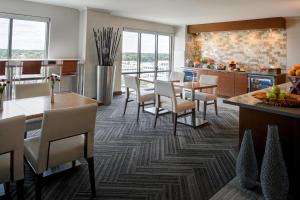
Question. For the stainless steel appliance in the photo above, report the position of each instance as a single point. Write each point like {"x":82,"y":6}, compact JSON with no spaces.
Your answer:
{"x":260,"y":81}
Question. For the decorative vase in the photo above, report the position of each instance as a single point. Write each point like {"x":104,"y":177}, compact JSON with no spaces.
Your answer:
{"x":1,"y":102}
{"x":246,"y":164}
{"x":52,"y":95}
{"x":105,"y":83}
{"x":274,"y":177}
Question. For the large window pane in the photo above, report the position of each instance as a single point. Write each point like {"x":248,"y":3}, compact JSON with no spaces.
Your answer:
{"x":130,"y":52}
{"x":147,"y":52}
{"x":28,"y":39}
{"x":4,"y":37}
{"x":163,"y":52}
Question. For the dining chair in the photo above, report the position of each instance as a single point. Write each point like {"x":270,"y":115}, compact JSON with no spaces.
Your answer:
{"x":31,"y":71}
{"x":11,"y":154}
{"x":177,"y":76}
{"x":166,"y":99}
{"x":32,"y":90}
{"x":141,"y":96}
{"x":207,"y":98}
{"x":66,"y":136}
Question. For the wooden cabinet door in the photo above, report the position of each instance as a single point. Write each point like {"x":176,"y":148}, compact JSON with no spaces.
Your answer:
{"x":240,"y":84}
{"x":226,"y":84}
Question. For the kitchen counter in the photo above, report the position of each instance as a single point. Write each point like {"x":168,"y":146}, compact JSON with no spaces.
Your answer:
{"x":257,"y":116}
{"x":248,"y":101}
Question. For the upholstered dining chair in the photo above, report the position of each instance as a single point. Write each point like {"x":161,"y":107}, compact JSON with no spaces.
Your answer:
{"x":177,"y":76}
{"x":11,"y":154}
{"x":207,"y":98}
{"x":166,"y":99}
{"x":141,"y":96}
{"x":32,"y":90}
{"x":66,"y":136}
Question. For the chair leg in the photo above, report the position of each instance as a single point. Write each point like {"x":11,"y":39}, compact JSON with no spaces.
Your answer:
{"x":92,"y":175}
{"x":156,"y":116}
{"x":143,"y":107}
{"x":174,"y":123}
{"x":73,"y":163}
{"x":138,"y":112}
{"x":181,"y":96}
{"x":7,"y":190}
{"x":216,"y":107}
{"x":204,"y":110}
{"x":25,"y":135}
{"x":125,"y":105}
{"x":193,"y":117}
{"x":20,"y":189}
{"x":198,"y":105}
{"x":38,"y":186}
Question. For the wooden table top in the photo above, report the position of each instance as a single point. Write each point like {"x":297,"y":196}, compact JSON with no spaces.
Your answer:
{"x":34,"y":107}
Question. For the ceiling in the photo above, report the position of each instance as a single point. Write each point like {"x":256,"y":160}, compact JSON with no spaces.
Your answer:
{"x":182,"y":12}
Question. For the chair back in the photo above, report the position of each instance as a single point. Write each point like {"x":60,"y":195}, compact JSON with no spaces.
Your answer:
{"x":176,"y":76}
{"x":165,"y":89}
{"x":131,"y":82}
{"x":12,"y":148}
{"x":209,"y":80}
{"x":66,"y":124}
{"x":31,"y":67}
{"x":32,"y":90}
{"x":69,"y":67}
{"x":2,"y":68}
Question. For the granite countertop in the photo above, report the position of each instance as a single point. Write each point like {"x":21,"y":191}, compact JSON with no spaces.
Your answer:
{"x":227,"y":71}
{"x":248,"y":101}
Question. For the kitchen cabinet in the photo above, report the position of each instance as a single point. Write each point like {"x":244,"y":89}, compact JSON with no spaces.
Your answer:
{"x":226,"y":84}
{"x":240,"y":84}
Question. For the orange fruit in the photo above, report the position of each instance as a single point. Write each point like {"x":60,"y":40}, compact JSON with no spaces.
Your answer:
{"x":292,"y":72}
{"x":298,"y":72}
{"x":296,"y":66}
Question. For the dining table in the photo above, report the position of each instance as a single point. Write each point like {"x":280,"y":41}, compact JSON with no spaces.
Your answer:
{"x":34,"y":107}
{"x":192,"y":87}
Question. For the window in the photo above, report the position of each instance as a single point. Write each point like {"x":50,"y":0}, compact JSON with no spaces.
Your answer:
{"x":4,"y":37}
{"x":23,"y":38}
{"x":143,"y":54}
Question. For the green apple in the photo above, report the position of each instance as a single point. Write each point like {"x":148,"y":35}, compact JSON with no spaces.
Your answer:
{"x":271,"y":95}
{"x":276,"y":89}
{"x":283,"y":95}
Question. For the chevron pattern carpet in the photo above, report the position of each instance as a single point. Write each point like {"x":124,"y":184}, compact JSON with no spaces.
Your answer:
{"x":137,"y":162}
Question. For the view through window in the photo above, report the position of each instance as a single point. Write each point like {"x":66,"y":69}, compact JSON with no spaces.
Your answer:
{"x":144,"y":53}
{"x":28,"y":39}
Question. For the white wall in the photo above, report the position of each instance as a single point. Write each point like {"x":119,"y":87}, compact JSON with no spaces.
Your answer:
{"x":293,"y":41}
{"x":179,"y":47}
{"x":97,"y":19}
{"x":64,"y":25}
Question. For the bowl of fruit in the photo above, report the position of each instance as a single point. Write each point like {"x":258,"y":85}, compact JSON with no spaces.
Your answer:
{"x":278,"y":97}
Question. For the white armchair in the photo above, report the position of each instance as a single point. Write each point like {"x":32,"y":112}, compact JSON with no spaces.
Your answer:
{"x":207,"y":98}
{"x":32,"y":90}
{"x":11,"y":153}
{"x":141,"y":97}
{"x":166,"y":99}
{"x":177,"y":76}
{"x":67,"y":135}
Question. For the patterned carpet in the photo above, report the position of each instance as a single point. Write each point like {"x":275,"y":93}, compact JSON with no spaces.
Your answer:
{"x":135,"y":161}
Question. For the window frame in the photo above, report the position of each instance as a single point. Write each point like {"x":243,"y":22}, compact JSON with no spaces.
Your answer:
{"x":171,"y":50}
{"x":12,"y":17}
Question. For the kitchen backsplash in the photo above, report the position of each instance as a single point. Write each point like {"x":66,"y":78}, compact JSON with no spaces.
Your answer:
{"x":252,"y":48}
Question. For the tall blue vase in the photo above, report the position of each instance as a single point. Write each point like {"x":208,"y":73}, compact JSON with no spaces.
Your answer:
{"x":274,"y":177}
{"x":246,"y":164}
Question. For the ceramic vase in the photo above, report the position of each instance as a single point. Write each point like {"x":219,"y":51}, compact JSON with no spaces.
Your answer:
{"x":246,"y":164}
{"x":274,"y":177}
